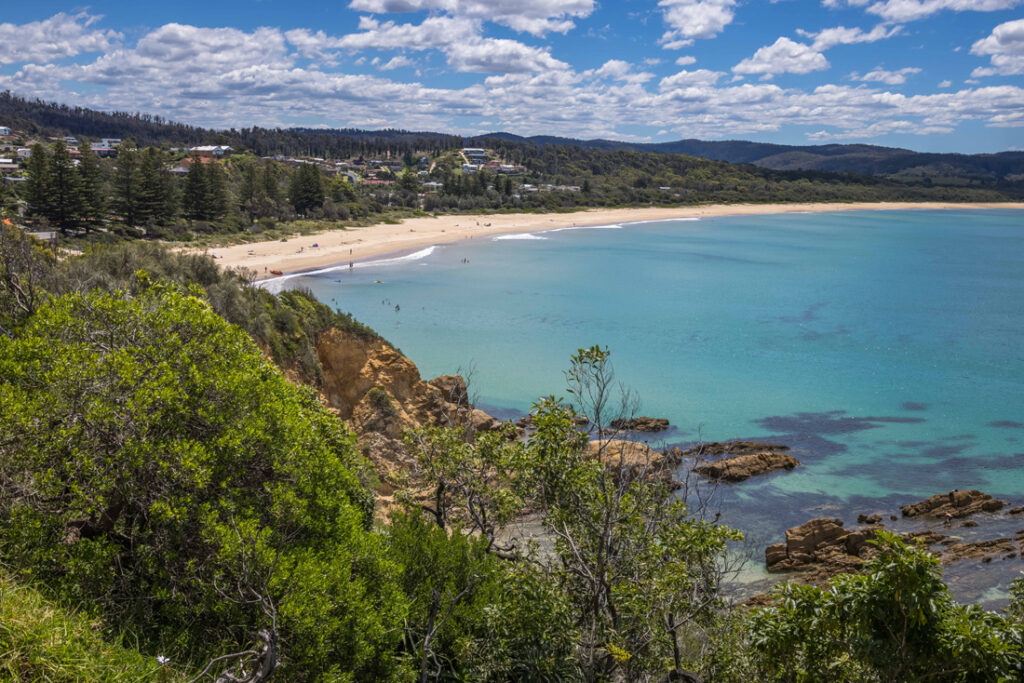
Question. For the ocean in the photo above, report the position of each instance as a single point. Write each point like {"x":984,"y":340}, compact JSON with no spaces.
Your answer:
{"x":885,"y":347}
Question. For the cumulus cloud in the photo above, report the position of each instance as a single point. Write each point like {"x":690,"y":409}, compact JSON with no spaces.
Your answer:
{"x":880,"y":75}
{"x":912,"y":10}
{"x":689,"y":19}
{"x":228,"y":77}
{"x":685,"y":60}
{"x":1005,"y":48}
{"x":537,"y":17}
{"x":60,"y":36}
{"x":396,"y":62}
{"x":783,"y":56}
{"x":840,"y":35}
{"x":497,"y":55}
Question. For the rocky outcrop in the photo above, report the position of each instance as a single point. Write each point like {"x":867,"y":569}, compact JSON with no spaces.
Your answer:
{"x":640,"y":424}
{"x":742,"y":467}
{"x":822,"y":547}
{"x":986,"y":551}
{"x":716,"y":448}
{"x":380,"y":393}
{"x":631,"y":458}
{"x":955,"y":503}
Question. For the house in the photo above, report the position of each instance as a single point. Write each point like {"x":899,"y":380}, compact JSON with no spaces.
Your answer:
{"x":70,"y":140}
{"x":110,"y":142}
{"x":211,"y":151}
{"x":474,"y":155}
{"x":24,"y":152}
{"x":4,"y":130}
{"x":469,"y":168}
{"x":8,"y":166}
{"x":106,"y":151}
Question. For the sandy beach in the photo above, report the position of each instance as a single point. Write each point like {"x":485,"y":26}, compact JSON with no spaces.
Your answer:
{"x":355,"y":244}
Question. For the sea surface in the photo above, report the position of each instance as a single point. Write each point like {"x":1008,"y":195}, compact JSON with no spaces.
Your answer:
{"x":885,"y":347}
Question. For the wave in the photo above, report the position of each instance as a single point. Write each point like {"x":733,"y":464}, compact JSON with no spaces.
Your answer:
{"x":519,"y":236}
{"x":274,"y":285}
{"x":664,"y":220}
{"x":612,"y":226}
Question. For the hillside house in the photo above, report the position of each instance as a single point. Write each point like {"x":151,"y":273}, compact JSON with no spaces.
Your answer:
{"x":8,"y":166}
{"x":110,"y":142}
{"x":211,"y":151}
{"x":105,"y":151}
{"x":4,"y":130}
{"x":24,"y":152}
{"x":70,"y":140}
{"x":474,"y":155}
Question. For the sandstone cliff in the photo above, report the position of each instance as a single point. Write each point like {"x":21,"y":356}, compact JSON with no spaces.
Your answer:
{"x":380,"y":394}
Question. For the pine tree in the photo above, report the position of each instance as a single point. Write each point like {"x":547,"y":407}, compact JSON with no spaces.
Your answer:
{"x":305,"y":191}
{"x":65,"y":198}
{"x":156,"y":194}
{"x":37,"y":190}
{"x":126,"y":183}
{"x":216,"y":203}
{"x":196,"y":191}
{"x":93,"y":199}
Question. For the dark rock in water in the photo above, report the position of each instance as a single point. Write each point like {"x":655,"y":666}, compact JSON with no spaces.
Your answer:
{"x":823,"y":548}
{"x":955,"y":503}
{"x":1017,"y":510}
{"x":732,"y":448}
{"x":969,"y":523}
{"x":640,"y":424}
{"x":869,"y":519}
{"x":893,"y":517}
{"x":986,"y":551}
{"x":742,"y":467}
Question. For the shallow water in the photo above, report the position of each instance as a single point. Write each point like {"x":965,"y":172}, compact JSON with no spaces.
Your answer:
{"x":884,"y":347}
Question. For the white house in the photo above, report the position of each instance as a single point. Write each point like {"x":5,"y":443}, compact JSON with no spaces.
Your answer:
{"x":24,"y":152}
{"x":211,"y":150}
{"x":71,"y":140}
{"x":4,"y":130}
{"x":109,"y":142}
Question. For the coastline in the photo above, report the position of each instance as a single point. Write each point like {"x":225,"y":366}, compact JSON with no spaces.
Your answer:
{"x":354,"y":244}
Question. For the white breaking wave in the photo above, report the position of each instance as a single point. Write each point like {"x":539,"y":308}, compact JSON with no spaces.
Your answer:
{"x":613,"y":226}
{"x":519,"y":236}
{"x":276,"y":284}
{"x":664,"y":220}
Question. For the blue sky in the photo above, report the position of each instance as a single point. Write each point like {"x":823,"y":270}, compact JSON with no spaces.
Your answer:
{"x":931,"y":75}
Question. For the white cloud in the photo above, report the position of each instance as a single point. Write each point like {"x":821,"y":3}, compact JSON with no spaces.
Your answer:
{"x":912,"y":10}
{"x":880,"y":75}
{"x":945,"y":84}
{"x":686,"y":60}
{"x":688,"y":79}
{"x":783,"y":56}
{"x":619,"y":70}
{"x":689,"y":19}
{"x":396,"y":62}
{"x":1005,"y":47}
{"x":497,"y":55}
{"x":537,"y":17}
{"x":60,"y":36}
{"x":840,"y":35}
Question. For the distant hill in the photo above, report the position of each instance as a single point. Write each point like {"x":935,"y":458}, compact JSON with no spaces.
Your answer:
{"x":861,"y":159}
{"x":37,"y":117}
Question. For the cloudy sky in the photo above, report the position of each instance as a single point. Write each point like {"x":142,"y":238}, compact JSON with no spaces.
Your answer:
{"x":932,"y":75}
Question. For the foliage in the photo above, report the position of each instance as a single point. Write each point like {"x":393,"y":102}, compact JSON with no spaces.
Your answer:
{"x":40,"y":641}
{"x":147,"y":449}
{"x":895,"y":622}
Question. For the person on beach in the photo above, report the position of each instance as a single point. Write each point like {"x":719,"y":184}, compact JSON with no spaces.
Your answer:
{"x":949,"y":520}
{"x":952,"y":497}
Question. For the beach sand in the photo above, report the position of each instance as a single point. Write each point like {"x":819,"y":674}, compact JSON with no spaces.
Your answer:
{"x":354,"y":244}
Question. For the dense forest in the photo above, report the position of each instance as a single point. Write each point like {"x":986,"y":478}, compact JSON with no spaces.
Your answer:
{"x":172,"y":508}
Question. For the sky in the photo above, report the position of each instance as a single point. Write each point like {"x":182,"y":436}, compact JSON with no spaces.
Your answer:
{"x":929,"y":75}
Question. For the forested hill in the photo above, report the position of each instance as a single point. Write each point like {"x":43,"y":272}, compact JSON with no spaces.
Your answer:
{"x":37,"y":117}
{"x":862,"y":159}
{"x":47,"y":118}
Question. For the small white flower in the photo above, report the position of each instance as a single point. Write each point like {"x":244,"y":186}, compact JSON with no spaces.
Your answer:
{"x":161,"y":659}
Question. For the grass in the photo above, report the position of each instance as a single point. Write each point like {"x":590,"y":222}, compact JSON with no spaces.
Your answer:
{"x":40,"y":641}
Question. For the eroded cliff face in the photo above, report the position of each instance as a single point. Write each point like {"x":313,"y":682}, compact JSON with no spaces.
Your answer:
{"x":380,"y":393}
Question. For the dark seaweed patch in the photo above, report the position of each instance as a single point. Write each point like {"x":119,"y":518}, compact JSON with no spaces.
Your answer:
{"x":1006,"y":424}
{"x":914,"y":405}
{"x":831,"y":422}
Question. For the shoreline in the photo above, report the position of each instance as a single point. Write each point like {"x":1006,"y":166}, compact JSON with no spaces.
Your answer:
{"x":336,"y":247}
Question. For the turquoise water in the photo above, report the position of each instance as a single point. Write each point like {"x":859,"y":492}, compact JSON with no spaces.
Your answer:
{"x":885,"y":347}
